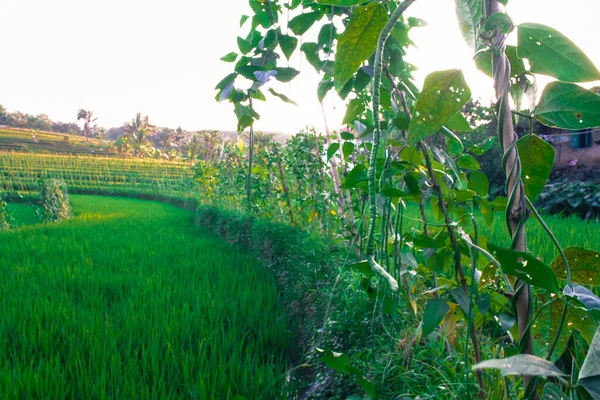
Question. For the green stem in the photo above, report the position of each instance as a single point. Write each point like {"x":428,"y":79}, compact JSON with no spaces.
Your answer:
{"x":471,"y":295}
{"x":250,"y":161}
{"x":385,"y":33}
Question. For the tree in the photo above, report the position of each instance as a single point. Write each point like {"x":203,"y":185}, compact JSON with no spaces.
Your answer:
{"x":138,"y":131}
{"x":3,"y":115}
{"x":165,"y":138}
{"x":193,"y":146}
{"x":86,"y":116}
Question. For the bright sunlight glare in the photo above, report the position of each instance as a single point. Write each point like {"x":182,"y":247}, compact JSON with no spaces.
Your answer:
{"x":162,"y":59}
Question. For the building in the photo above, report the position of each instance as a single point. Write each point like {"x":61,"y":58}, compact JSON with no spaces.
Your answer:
{"x":581,"y":148}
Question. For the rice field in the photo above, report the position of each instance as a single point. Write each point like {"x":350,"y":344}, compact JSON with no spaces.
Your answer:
{"x":130,"y":300}
{"x":21,"y":172}
{"x":22,"y":140}
{"x":570,"y":231}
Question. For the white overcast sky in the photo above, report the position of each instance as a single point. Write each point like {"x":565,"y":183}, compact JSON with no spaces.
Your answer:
{"x":118,"y":57}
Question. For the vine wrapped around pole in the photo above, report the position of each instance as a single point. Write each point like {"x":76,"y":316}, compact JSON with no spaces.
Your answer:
{"x":516,"y":212}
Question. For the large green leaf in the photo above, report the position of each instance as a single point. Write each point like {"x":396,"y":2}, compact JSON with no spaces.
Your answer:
{"x":354,"y":110}
{"x":526,"y":267}
{"x":469,"y":13}
{"x":229,"y":57}
{"x":357,"y":178}
{"x":435,"y":309}
{"x":443,"y":95}
{"x":568,"y":106}
{"x":469,"y":162}
{"x":358,"y":42}
{"x":482,"y":147}
{"x":341,"y":363}
{"x":323,"y":88}
{"x":584,"y":265}
{"x":332,"y":149}
{"x":589,"y":376}
{"x":288,"y":45}
{"x":303,"y":22}
{"x":286,"y":74}
{"x":521,"y":364}
{"x":458,"y":123}
{"x":545,"y":327}
{"x":551,"y":53}
{"x":537,"y":160}
{"x":479,"y":183}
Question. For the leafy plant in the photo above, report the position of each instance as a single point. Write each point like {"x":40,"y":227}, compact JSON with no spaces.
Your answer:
{"x":402,"y":147}
{"x":567,"y":197}
{"x":54,"y":200}
{"x":4,"y":216}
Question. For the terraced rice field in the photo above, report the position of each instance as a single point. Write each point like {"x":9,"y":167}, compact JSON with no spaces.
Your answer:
{"x":23,"y":171}
{"x":22,"y":140}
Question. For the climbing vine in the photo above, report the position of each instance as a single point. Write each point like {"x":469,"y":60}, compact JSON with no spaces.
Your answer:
{"x":402,"y":146}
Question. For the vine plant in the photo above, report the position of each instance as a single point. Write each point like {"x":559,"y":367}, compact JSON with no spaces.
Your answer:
{"x":402,"y":147}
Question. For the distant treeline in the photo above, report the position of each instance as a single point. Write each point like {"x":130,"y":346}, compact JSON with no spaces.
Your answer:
{"x":39,"y":122}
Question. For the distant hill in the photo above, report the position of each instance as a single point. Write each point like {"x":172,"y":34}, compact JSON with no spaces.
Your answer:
{"x":23,"y":140}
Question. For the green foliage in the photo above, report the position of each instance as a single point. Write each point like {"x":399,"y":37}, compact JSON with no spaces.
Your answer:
{"x":589,"y":376}
{"x":470,"y":14}
{"x":527,"y":268}
{"x":537,"y":161}
{"x":584,"y":266}
{"x":551,"y":53}
{"x":444,"y":94}
{"x":4,"y":216}
{"x":54,"y":200}
{"x":358,"y":42}
{"x":435,"y":310}
{"x":341,"y":363}
{"x":568,"y":197}
{"x":568,"y":106}
{"x":409,"y":200}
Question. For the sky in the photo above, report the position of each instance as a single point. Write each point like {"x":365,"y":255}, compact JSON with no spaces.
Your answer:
{"x":120,"y":57}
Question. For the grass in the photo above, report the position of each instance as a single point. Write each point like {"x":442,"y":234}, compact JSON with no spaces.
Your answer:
{"x":22,"y":214}
{"x":128,"y":299}
{"x":569,"y":231}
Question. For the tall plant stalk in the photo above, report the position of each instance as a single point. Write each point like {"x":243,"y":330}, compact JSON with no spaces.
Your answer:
{"x":385,"y":33}
{"x":250,"y":160}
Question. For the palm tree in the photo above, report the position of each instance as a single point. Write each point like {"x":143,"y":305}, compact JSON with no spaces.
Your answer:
{"x":138,"y":131}
{"x":86,"y":116}
{"x":166,"y":138}
{"x":180,"y":136}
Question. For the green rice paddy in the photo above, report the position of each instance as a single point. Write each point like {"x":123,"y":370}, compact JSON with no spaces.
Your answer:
{"x":130,"y":300}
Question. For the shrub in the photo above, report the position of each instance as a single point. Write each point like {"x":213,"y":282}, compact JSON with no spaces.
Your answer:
{"x":4,"y":216}
{"x":54,"y":200}
{"x":566,"y":196}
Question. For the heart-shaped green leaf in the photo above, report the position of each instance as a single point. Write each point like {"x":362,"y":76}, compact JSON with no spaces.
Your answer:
{"x":537,"y":160}
{"x":444,"y":94}
{"x":568,"y":106}
{"x":358,"y":42}
{"x":551,"y":53}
